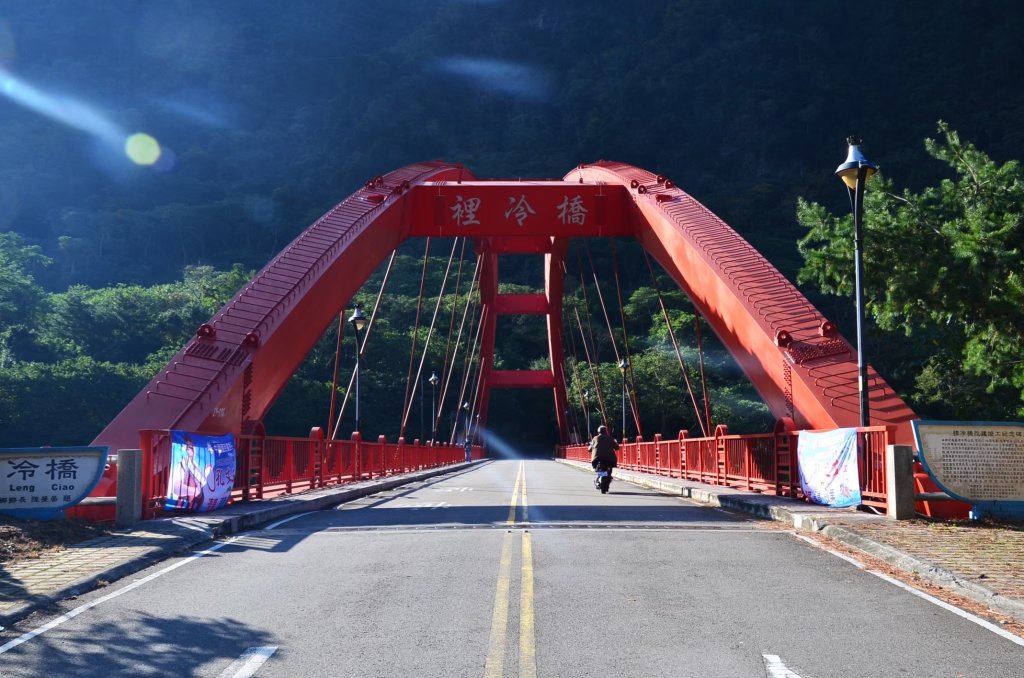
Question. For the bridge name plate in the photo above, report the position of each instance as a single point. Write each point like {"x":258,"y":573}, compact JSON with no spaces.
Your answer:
{"x":40,"y":482}
{"x":978,"y":462}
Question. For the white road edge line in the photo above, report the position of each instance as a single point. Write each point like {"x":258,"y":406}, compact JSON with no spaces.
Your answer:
{"x":249,"y":663}
{"x":775,"y":668}
{"x":288,"y":519}
{"x":54,"y":623}
{"x":920,"y":594}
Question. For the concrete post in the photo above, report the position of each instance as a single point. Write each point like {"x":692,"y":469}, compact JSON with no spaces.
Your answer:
{"x":899,"y":482}
{"x":128,"y":510}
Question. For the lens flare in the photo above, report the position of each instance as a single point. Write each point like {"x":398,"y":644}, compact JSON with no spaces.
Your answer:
{"x":142,"y":149}
{"x":63,"y":109}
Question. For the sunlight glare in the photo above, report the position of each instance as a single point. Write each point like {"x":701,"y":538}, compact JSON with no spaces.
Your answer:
{"x":142,"y":149}
{"x":504,"y":450}
{"x":67,"y":110}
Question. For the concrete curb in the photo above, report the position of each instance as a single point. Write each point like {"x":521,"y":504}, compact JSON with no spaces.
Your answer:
{"x":928,"y":572}
{"x":808,"y":518}
{"x":194,"y":530}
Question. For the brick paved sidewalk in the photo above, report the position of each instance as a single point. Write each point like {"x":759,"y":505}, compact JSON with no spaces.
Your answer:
{"x":84,"y":564}
{"x":984,"y":556}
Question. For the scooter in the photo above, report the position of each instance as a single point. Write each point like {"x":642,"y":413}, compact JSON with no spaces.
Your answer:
{"x":603,"y":479}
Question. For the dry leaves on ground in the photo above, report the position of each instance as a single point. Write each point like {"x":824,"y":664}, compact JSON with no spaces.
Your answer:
{"x":25,"y":539}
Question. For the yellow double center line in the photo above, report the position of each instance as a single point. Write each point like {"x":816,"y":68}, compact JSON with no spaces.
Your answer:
{"x":494,"y":668}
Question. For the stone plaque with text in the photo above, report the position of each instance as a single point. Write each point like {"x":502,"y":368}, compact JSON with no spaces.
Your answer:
{"x":978,"y":462}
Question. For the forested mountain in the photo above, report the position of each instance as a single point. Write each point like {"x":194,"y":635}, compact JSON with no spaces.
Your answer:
{"x":268,"y":113}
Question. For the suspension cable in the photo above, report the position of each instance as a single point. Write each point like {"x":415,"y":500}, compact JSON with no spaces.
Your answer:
{"x":361,"y":347}
{"x":426,"y":343}
{"x":451,"y":323}
{"x":675,"y":344}
{"x":337,"y":363}
{"x":450,"y":368}
{"x":634,"y":406}
{"x":703,"y":381}
{"x":594,"y":374}
{"x":593,"y":339}
{"x":415,"y":333}
{"x":575,"y":374}
{"x":611,"y":335}
{"x":467,"y":366}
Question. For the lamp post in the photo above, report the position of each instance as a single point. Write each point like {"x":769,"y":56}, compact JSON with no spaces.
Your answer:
{"x":623,"y":366}
{"x":855,"y":172}
{"x":358,"y":321}
{"x":586,"y":406}
{"x":468,"y":443}
{"x":433,"y":407}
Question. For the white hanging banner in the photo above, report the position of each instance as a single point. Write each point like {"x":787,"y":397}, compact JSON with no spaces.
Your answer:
{"x":828,"y":466}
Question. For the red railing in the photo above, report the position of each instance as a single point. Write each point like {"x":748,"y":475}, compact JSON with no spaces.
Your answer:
{"x":764,"y":462}
{"x":267,"y":466}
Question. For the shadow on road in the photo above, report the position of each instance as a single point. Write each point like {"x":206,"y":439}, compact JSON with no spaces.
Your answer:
{"x":141,"y":643}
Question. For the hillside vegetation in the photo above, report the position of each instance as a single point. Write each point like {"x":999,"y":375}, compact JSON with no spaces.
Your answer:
{"x":269,"y":114}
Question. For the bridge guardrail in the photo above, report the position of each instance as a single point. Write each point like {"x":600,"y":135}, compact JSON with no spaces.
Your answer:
{"x":267,"y":466}
{"x":763,"y":462}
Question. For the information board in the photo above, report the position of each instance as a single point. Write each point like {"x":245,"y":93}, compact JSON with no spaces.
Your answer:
{"x":40,"y":482}
{"x":980,"y":462}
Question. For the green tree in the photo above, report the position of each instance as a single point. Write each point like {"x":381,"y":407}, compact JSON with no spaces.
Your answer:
{"x":21,"y":298}
{"x":944,"y":267}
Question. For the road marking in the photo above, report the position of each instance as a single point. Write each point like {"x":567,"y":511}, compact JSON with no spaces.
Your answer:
{"x":522,"y":487}
{"x":54,"y":623}
{"x":499,"y":618}
{"x":249,"y":663}
{"x":515,"y":496}
{"x":289,"y":519}
{"x":527,"y":646}
{"x":774,"y":667}
{"x":920,"y":594}
{"x":424,"y":505}
{"x":498,"y":643}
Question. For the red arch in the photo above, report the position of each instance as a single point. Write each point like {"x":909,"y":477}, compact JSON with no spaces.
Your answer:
{"x":227,"y":377}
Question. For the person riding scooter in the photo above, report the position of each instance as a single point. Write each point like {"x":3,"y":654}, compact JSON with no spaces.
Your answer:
{"x":602,"y":450}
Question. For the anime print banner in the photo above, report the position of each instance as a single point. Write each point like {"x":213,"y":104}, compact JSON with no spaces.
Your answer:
{"x":828,"y":467}
{"x":202,"y":472}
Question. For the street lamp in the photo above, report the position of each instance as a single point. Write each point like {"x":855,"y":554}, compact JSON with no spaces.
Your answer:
{"x":855,"y":172}
{"x":623,"y":366}
{"x":586,"y":406}
{"x":358,"y":321}
{"x":433,"y":408}
{"x":468,"y":442}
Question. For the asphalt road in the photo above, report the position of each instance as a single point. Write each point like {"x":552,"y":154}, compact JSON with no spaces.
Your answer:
{"x":511,"y":568}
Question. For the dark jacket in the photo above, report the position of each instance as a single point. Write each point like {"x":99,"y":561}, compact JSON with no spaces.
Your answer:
{"x":602,"y":448}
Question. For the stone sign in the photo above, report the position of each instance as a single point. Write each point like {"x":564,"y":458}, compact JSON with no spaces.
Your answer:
{"x":978,"y":462}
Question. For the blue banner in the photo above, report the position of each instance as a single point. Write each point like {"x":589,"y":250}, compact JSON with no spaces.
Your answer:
{"x":202,"y":472}
{"x":828,"y":466}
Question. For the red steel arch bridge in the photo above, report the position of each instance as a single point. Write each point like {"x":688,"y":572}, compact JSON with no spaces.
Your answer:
{"x":225,"y":379}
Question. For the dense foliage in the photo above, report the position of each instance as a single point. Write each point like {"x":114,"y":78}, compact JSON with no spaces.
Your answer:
{"x":268,"y":114}
{"x":943,"y":266}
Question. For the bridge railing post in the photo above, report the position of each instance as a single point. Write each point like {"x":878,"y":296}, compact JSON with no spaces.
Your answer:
{"x":899,"y":482}
{"x":683,"y":435}
{"x":357,"y":455}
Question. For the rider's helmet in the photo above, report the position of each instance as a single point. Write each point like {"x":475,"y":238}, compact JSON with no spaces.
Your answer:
{"x":602,"y":430}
